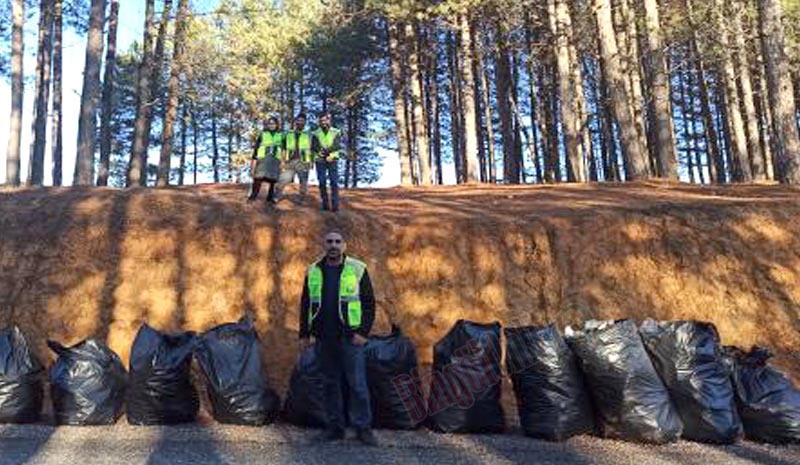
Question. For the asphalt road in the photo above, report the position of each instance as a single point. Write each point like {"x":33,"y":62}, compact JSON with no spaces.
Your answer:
{"x":199,"y":445}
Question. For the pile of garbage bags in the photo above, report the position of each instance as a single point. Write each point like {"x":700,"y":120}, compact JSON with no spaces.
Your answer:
{"x":654,"y":383}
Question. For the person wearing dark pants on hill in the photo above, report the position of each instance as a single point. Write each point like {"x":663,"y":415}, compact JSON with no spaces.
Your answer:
{"x":336,"y":313}
{"x":266,"y":163}
{"x":297,"y":158}
{"x":326,"y":147}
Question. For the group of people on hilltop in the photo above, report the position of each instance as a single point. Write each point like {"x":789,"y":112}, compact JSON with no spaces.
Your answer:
{"x":280,"y":156}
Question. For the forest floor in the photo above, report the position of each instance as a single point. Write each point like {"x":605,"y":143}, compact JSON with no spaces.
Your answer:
{"x":98,"y":262}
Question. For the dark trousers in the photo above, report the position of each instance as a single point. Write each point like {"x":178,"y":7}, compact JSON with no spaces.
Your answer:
{"x":255,"y":188}
{"x":328,"y":172}
{"x":344,"y":366}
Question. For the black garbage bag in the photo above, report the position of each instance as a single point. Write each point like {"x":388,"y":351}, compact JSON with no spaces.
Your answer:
{"x":629,"y":398}
{"x":393,"y":379}
{"x":160,"y":390}
{"x":466,"y":380}
{"x":768,"y":402}
{"x":21,"y":383}
{"x":230,"y":359}
{"x":552,"y":400}
{"x":87,"y":384}
{"x":688,"y":357}
{"x":305,"y":401}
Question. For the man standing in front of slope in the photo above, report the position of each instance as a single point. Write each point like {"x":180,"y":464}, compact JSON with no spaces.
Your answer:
{"x":336,"y":313}
{"x":326,"y":147}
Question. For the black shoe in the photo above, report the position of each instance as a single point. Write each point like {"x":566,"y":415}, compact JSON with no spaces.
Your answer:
{"x":330,"y":435}
{"x":324,"y":207}
{"x":367,"y":437}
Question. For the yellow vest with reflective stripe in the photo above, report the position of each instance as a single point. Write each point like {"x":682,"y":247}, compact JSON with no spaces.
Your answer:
{"x":349,"y":292}
{"x":268,"y":141}
{"x":303,"y":143}
{"x":326,"y":140}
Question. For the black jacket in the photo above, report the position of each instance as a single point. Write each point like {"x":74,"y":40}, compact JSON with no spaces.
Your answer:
{"x":367,"y":310}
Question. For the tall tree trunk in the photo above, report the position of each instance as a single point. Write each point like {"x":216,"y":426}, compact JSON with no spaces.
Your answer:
{"x":741,"y":166}
{"x":635,"y":152}
{"x":487,"y":117}
{"x":660,"y":112}
{"x":780,"y":92}
{"x":194,"y":146}
{"x":683,"y":107}
{"x":182,"y":164}
{"x":468,"y":103}
{"x":535,"y":116}
{"x":39,"y":123}
{"x":17,"y":91}
{"x":456,"y":126}
{"x":137,"y":166}
{"x":504,"y":84}
{"x":400,"y":112}
{"x":173,"y":94}
{"x":420,"y":132}
{"x":435,"y":106}
{"x":756,"y":159}
{"x":629,"y":44}
{"x":214,"y":145}
{"x":90,"y":97}
{"x":57,"y":141}
{"x":766,"y":139}
{"x":560,"y":28}
{"x":108,"y":95}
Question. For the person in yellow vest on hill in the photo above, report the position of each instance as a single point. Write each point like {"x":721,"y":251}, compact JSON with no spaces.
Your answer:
{"x":336,"y":314}
{"x":298,"y":157}
{"x":327,"y":147}
{"x":266,"y":163}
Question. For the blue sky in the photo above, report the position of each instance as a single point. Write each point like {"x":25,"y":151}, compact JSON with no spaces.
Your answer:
{"x":130,"y":29}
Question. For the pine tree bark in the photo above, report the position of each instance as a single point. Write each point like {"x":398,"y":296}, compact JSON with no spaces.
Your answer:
{"x":17,"y":91}
{"x":658,"y":82}
{"x":560,"y":28}
{"x":738,"y":148}
{"x":400,"y":111}
{"x":90,"y":97}
{"x":780,"y":92}
{"x":173,"y":94}
{"x":629,"y":45}
{"x":108,"y":95}
{"x":57,"y":141}
{"x":435,"y":107}
{"x":137,"y":166}
{"x":487,"y":118}
{"x":194,"y":145}
{"x":471,"y":167}
{"x":755,"y":156}
{"x":635,"y":151}
{"x":184,"y":124}
{"x":456,"y":126}
{"x":504,"y":84}
{"x":41,"y":100}
{"x":418,"y":109}
{"x":214,"y":145}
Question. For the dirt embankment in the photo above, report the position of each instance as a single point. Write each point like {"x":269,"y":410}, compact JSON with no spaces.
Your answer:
{"x":76,"y":263}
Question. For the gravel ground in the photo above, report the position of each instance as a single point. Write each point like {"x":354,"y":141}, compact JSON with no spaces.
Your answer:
{"x":216,"y":444}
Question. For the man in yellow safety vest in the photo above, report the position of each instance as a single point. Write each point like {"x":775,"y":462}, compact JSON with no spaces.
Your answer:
{"x":336,"y":314}
{"x":266,"y":163}
{"x":327,"y":147}
{"x":297,"y":156}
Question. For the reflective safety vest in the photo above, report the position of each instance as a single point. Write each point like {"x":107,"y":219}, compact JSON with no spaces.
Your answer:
{"x":270,"y":140}
{"x":303,"y":143}
{"x":349,"y":292}
{"x":326,"y":140}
